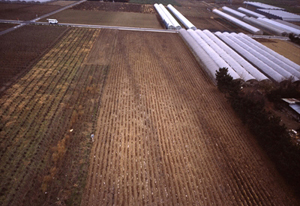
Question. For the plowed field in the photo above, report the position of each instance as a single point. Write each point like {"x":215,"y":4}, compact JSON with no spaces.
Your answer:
{"x":166,"y":136}
{"x":21,"y":48}
{"x":110,"y":18}
{"x":24,"y":11}
{"x":46,"y":119}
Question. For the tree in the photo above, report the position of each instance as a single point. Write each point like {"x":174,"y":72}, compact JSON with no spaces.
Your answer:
{"x":225,"y":82}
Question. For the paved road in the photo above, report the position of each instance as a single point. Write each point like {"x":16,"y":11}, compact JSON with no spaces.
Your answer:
{"x":109,"y":27}
{"x":22,"y":23}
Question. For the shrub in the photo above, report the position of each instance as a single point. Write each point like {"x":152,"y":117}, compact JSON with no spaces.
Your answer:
{"x":267,"y":128}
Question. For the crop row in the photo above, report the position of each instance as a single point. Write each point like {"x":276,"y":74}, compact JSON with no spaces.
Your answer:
{"x":32,"y":107}
{"x":165,"y":136}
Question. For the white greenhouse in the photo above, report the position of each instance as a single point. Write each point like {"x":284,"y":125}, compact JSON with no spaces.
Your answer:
{"x":233,"y":12}
{"x":244,"y":51}
{"x":226,"y":57}
{"x":262,"y":5}
{"x":239,"y":59}
{"x":205,"y":61}
{"x":181,"y":18}
{"x":250,"y":13}
{"x":284,"y":15}
{"x":278,"y":65}
{"x":265,"y":26}
{"x":240,"y":23}
{"x":170,"y":17}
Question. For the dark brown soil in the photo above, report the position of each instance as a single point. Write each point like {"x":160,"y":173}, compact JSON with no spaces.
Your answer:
{"x":24,"y":11}
{"x":117,"y":7}
{"x":20,"y":48}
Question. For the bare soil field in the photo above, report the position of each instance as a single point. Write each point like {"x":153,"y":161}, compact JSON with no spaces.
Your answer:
{"x":4,"y":26}
{"x":285,"y":48}
{"x":24,"y":11}
{"x":46,"y":120}
{"x":127,"y":19}
{"x":61,"y":3}
{"x":116,"y":6}
{"x":166,"y":136}
{"x":20,"y":48}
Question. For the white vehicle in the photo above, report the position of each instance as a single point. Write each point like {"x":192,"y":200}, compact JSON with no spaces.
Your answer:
{"x":52,"y":21}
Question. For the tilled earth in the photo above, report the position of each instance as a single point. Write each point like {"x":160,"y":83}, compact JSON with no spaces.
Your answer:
{"x":166,"y":136}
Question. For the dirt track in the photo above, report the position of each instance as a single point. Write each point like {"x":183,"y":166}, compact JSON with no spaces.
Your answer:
{"x":166,"y":136}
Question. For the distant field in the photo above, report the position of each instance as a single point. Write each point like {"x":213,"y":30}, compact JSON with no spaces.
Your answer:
{"x":128,"y":19}
{"x":165,"y":2}
{"x":61,"y":3}
{"x":21,"y":47}
{"x":24,"y":11}
{"x":6,"y":26}
{"x":117,"y":6}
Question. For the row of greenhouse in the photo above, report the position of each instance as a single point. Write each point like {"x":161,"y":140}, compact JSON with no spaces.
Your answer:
{"x":244,"y":57}
{"x":250,"y":21}
{"x":258,"y":21}
{"x":169,"y":21}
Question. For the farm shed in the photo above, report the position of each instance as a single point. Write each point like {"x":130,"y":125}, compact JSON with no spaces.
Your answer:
{"x":287,"y":28}
{"x":226,"y":57}
{"x":279,"y":14}
{"x":205,"y":61}
{"x":262,"y":5}
{"x":239,"y":59}
{"x":181,"y":18}
{"x":213,"y":55}
{"x":233,"y":12}
{"x":241,"y":49}
{"x":240,"y":23}
{"x":250,"y":13}
{"x":170,"y":17}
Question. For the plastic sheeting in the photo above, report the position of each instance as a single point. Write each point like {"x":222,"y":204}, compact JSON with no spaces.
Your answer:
{"x":226,"y":57}
{"x":205,"y":61}
{"x":250,"y":13}
{"x":288,"y":23}
{"x":233,"y":12}
{"x":240,"y":60}
{"x":290,"y":63}
{"x":170,"y":17}
{"x":213,"y":55}
{"x":243,"y":50}
{"x":267,"y":59}
{"x":282,"y":26}
{"x":163,"y":16}
{"x":265,"y":26}
{"x":284,"y":15}
{"x":240,"y":23}
{"x":181,"y":18}
{"x":262,"y":5}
